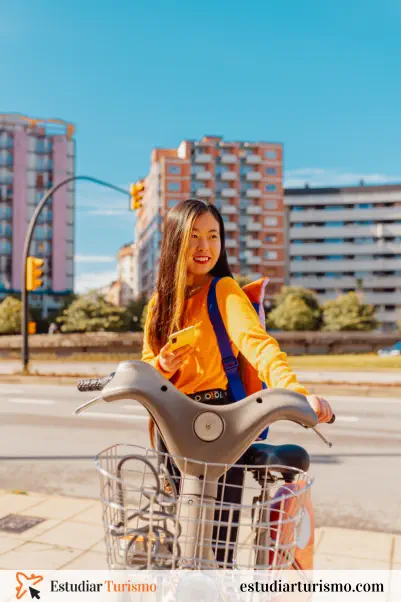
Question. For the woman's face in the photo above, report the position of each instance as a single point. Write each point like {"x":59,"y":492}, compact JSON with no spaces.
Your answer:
{"x":205,"y":245}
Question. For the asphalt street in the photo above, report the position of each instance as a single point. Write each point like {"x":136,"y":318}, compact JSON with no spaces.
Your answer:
{"x":44,"y":448}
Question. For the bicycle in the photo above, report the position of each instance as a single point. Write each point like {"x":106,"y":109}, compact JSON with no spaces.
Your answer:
{"x":158,"y":517}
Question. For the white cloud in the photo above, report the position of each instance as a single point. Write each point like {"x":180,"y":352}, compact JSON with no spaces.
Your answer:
{"x":94,"y":258}
{"x":295,"y":178}
{"x":91,"y":280}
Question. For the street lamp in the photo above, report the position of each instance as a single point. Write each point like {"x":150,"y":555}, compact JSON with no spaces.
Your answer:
{"x":25,"y":254}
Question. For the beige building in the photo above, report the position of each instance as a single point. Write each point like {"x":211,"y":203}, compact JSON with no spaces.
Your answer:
{"x":243,"y":180}
{"x":341,"y":239}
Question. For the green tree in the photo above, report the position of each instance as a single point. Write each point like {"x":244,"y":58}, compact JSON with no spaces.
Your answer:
{"x":348,"y":312}
{"x":293,"y":313}
{"x":92,"y":313}
{"x":10,"y":316}
{"x":308,"y":320}
{"x":134,"y":314}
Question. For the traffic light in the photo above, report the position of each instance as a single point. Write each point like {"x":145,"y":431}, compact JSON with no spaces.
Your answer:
{"x":34,"y":273}
{"x":137,"y":191}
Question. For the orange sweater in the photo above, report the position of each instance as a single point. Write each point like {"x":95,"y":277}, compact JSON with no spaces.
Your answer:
{"x":204,"y":369}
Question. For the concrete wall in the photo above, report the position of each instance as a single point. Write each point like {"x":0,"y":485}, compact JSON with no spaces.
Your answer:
{"x":293,"y":343}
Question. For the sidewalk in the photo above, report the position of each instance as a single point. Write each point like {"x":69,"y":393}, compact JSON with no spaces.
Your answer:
{"x":71,"y":537}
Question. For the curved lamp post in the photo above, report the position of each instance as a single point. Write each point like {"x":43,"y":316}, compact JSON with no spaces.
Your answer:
{"x":25,"y":254}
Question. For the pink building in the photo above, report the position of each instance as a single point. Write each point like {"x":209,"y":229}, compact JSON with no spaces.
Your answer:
{"x":35,"y":154}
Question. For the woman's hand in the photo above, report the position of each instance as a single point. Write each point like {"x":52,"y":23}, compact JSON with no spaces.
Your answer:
{"x":171,"y":361}
{"x":321,"y":406}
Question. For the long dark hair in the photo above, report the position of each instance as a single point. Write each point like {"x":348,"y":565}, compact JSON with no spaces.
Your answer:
{"x":170,"y":288}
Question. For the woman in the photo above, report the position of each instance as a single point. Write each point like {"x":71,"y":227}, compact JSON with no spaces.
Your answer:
{"x":192,"y":254}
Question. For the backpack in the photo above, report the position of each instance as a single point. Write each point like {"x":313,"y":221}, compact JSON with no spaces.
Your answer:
{"x":243,"y":379}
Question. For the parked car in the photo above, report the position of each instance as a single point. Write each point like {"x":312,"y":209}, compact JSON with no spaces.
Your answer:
{"x":394,"y":350}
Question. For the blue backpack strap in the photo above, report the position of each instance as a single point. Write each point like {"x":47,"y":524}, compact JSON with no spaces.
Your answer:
{"x":230,"y":362}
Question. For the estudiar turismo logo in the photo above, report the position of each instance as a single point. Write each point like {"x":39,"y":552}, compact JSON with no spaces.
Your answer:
{"x":26,"y":584}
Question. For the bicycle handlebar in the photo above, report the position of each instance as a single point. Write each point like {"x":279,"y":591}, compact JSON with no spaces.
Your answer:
{"x":94,"y":384}
{"x":211,"y":432}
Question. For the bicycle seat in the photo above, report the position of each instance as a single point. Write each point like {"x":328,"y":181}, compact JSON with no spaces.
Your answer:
{"x":264,"y":454}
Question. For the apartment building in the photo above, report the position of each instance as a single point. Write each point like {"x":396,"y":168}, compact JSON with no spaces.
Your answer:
{"x":35,"y":154}
{"x":342,"y":239}
{"x":243,"y":180}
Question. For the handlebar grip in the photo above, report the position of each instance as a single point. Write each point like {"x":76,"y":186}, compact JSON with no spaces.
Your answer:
{"x":94,"y":384}
{"x":333,"y":419}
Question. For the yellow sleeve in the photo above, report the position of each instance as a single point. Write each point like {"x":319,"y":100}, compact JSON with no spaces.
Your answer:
{"x":246,"y":332}
{"x":147,"y":353}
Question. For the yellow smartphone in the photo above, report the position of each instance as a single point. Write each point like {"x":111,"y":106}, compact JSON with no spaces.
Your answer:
{"x":182,"y":337}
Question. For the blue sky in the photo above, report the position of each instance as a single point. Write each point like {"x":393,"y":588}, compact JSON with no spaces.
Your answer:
{"x":322,"y":77}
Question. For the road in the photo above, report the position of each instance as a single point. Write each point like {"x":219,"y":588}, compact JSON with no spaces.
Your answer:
{"x":101,"y":368}
{"x":44,"y":448}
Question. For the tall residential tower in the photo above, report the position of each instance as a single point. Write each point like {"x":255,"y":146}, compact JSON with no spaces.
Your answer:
{"x":35,"y":154}
{"x":243,"y":180}
{"x":342,"y":239}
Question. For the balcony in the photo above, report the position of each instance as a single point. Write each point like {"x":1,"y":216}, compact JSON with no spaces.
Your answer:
{"x":253,"y":243}
{"x":325,"y":215}
{"x":229,"y":192}
{"x":203,"y":158}
{"x":345,"y":231}
{"x":232,"y":258}
{"x":203,"y":175}
{"x":354,"y":265}
{"x":253,"y":159}
{"x":253,"y":176}
{"x":231,"y":243}
{"x":254,"y":227}
{"x":228,"y":158}
{"x":230,"y":226}
{"x":254,"y":210}
{"x":253,"y":193}
{"x":229,"y":209}
{"x":253,"y":260}
{"x":228,"y":175}
{"x":203,"y":192}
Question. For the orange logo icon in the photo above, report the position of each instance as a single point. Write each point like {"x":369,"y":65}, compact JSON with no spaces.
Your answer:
{"x":25,"y":584}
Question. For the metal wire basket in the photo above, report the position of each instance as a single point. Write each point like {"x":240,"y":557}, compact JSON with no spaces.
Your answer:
{"x":255,"y":523}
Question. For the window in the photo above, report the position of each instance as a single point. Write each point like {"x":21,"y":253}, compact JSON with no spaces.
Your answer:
{"x":173,"y":186}
{"x":334,"y":207}
{"x":298,"y":225}
{"x":364,"y":240}
{"x":271,"y":205}
{"x":172,"y":203}
{"x":270,"y":154}
{"x":271,"y":221}
{"x":334,"y":224}
{"x":271,"y":238}
{"x":334,"y":240}
{"x":271,"y":187}
{"x":335,"y":257}
{"x":271,"y":255}
{"x":298,"y":208}
{"x":298,"y":242}
{"x":271,"y":171}
{"x":174,"y":169}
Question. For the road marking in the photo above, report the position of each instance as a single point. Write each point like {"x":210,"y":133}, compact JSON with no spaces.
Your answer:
{"x":115,"y":416}
{"x":41,"y":402}
{"x":6,"y":391}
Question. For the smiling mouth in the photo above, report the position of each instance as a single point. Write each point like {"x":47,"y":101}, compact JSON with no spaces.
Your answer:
{"x":201,"y":260}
